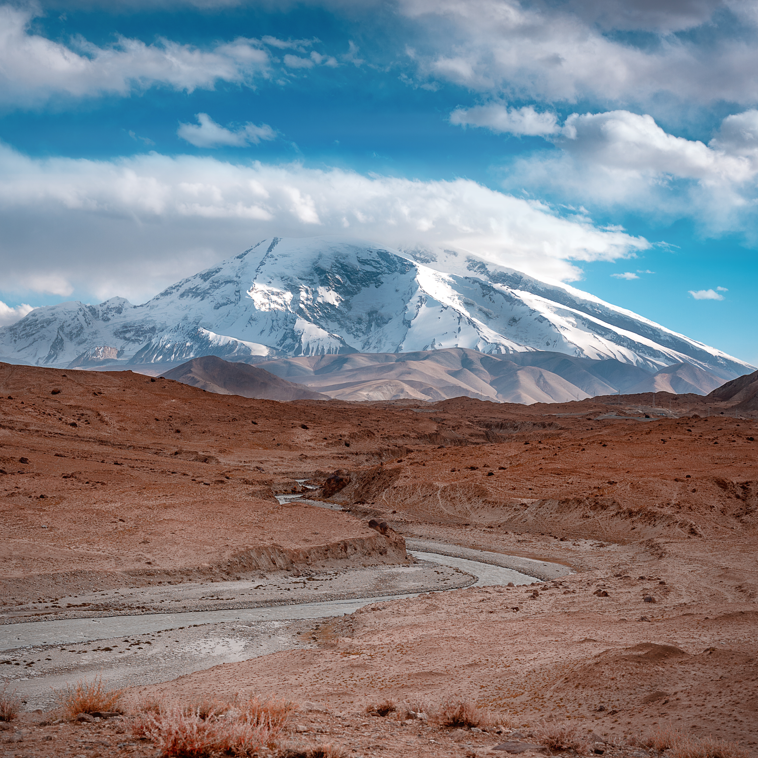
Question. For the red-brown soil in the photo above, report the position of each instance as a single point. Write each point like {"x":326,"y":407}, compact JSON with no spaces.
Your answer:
{"x":648,"y":496}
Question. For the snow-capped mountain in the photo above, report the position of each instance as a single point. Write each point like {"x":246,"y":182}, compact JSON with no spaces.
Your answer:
{"x":293,"y":297}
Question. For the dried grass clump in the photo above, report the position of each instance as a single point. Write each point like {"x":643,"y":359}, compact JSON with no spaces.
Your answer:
{"x":180,"y":733}
{"x":273,"y":714}
{"x":561,"y":736}
{"x":319,"y":751}
{"x":207,"y":708}
{"x":681,"y":745}
{"x":414,"y":709}
{"x":88,"y":697}
{"x":462,"y":714}
{"x":10,"y":704}
{"x":382,"y":709}
{"x":213,"y":727}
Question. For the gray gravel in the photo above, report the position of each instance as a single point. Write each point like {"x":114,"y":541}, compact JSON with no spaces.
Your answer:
{"x":145,"y":648}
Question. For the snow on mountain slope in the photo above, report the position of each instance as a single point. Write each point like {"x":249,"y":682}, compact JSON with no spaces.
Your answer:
{"x":325,"y":296}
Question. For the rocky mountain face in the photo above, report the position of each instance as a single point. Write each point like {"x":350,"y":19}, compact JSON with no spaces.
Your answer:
{"x":313,"y":297}
{"x":741,"y":393}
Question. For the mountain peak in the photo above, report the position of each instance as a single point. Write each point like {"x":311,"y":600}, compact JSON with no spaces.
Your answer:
{"x":323,"y":296}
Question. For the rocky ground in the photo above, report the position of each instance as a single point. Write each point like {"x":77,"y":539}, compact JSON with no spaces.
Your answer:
{"x":112,"y":481}
{"x":313,"y":733}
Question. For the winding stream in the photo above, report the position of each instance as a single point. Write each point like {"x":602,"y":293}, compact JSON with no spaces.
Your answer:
{"x":146,"y":648}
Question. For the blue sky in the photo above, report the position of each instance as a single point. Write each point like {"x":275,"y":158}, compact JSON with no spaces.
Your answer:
{"x":610,"y":144}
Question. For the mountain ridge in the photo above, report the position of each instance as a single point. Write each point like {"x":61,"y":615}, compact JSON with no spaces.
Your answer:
{"x":324,"y":296}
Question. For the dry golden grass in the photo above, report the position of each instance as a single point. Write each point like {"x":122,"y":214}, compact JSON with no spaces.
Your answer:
{"x":211,"y":727}
{"x":681,"y":745}
{"x":461,"y":714}
{"x":88,"y":697}
{"x":10,"y":704}
{"x":561,"y":736}
{"x":273,"y":714}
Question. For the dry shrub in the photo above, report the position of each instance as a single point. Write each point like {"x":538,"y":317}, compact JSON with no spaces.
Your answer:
{"x":207,"y":708}
{"x":319,"y":751}
{"x":180,"y":734}
{"x":213,"y":727}
{"x":461,"y":713}
{"x":382,"y":709}
{"x":561,"y":736}
{"x":144,"y":704}
{"x":273,"y":714}
{"x":681,"y":745}
{"x":88,"y":697}
{"x":10,"y":704}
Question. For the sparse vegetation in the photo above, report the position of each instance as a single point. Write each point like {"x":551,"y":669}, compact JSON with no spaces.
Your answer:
{"x":213,"y":727}
{"x":681,"y":745}
{"x":461,"y":714}
{"x":10,"y":704}
{"x":414,"y":709}
{"x":88,"y":697}
{"x":319,"y":751}
{"x":561,"y":736}
{"x":382,"y":709}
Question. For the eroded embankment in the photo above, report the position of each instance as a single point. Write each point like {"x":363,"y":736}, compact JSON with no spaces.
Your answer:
{"x":607,"y":495}
{"x":371,"y":550}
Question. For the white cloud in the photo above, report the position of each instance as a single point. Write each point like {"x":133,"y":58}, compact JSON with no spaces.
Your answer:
{"x":351,"y":56}
{"x":563,"y":52}
{"x":738,"y":134}
{"x":644,"y":15}
{"x":623,"y":159}
{"x":207,"y":133}
{"x":287,"y":44}
{"x":628,"y":275}
{"x":295,"y":61}
{"x":10,"y":315}
{"x":34,"y":68}
{"x":722,"y":289}
{"x":324,"y":60}
{"x":628,"y":141}
{"x":130,"y":225}
{"x":500,"y":118}
{"x":708,"y":294}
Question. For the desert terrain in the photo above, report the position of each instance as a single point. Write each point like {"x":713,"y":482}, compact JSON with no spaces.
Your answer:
{"x":127,"y":495}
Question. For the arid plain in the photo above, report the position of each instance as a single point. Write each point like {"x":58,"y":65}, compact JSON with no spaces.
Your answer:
{"x":116,"y":480}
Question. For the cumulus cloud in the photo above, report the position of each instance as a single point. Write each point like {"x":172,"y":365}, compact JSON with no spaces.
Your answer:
{"x":624,"y":159}
{"x":110,"y":227}
{"x":499,"y":118}
{"x":34,"y":68}
{"x":563,"y":52}
{"x":628,"y":275}
{"x":709,"y":294}
{"x":207,"y":133}
{"x":664,"y":16}
{"x":314,"y":59}
{"x":295,"y":61}
{"x":10,"y":315}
